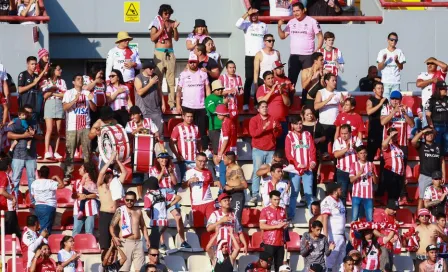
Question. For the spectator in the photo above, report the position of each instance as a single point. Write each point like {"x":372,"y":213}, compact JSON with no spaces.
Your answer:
{"x":5,"y":90}
{"x":77,"y":104}
{"x":233,"y":87}
{"x":366,"y":84}
{"x":193,"y":87}
{"x":118,"y":96}
{"x":312,"y":80}
{"x":333,"y":60}
{"x":374,"y":107}
{"x":44,"y":193}
{"x":264,"y":129}
{"x":316,"y":268}
{"x":109,"y":262}
{"x":227,"y":141}
{"x":301,"y":153}
{"x":42,"y":261}
{"x":210,"y":48}
{"x":363,"y":175}
{"x":8,"y":197}
{"x":225,"y":259}
{"x":265,"y":59}
{"x":21,"y":127}
{"x":348,"y":264}
{"x":333,"y":220}
{"x":200,"y":32}
{"x":344,"y":150}
{"x":85,"y":190}
{"x":30,"y":240}
{"x":263,"y":264}
{"x":44,"y":59}
{"x":323,"y":8}
{"x":7,"y":8}
{"x":28,"y":8}
{"x":53,"y":88}
{"x":163,"y":31}
{"x":435,"y":196}
{"x":154,"y":262}
{"x":350,"y":117}
{"x":273,"y":223}
{"x":184,"y":142}
{"x":275,"y":182}
{"x":282,"y":80}
{"x":11,"y":84}
{"x":214,"y":123}
{"x":436,"y":109}
{"x":357,"y":261}
{"x":302,"y":29}
{"x":148,"y":95}
{"x":315,"y":212}
{"x":431,"y":161}
{"x":390,"y":62}
{"x":280,"y":8}
{"x":254,"y":32}
{"x":433,"y":262}
{"x":130,"y":221}
{"x":125,"y":59}
{"x":199,"y":179}
{"x":314,"y":246}
{"x":394,"y":166}
{"x":207,"y":64}
{"x":66,"y":256}
{"x":390,"y":212}
{"x":441,"y":223}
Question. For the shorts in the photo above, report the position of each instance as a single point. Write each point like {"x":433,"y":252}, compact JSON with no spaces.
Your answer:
{"x":423,"y":183}
{"x":201,"y":213}
{"x":103,"y":228}
{"x":133,"y":249}
{"x":53,"y":109}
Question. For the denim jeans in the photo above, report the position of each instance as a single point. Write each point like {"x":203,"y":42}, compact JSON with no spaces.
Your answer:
{"x":442,"y":136}
{"x":390,"y":87}
{"x":45,"y":214}
{"x":222,"y":174}
{"x":307,"y":180}
{"x":87,"y":221}
{"x":259,"y":158}
{"x":417,"y":127}
{"x":17,"y":167}
{"x":368,"y":208}
{"x":344,"y":180}
{"x":170,"y":191}
{"x":280,"y":141}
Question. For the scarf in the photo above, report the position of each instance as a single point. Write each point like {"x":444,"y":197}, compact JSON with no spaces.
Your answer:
{"x":382,"y":226}
{"x":126,"y":226}
{"x":158,"y":23}
{"x":219,"y":255}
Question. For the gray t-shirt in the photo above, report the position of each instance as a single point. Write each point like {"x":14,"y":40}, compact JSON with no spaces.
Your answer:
{"x":317,"y":251}
{"x":149,"y":103}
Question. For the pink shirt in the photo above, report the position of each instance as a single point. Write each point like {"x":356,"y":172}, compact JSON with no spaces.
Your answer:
{"x":193,"y":88}
{"x":302,"y":35}
{"x":121,"y":100}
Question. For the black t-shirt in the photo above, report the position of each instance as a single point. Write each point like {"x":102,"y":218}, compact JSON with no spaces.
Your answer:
{"x":430,"y":156}
{"x":30,"y":96}
{"x":438,"y":109}
{"x":225,"y":266}
{"x":209,"y":64}
{"x":375,"y":127}
{"x":315,"y":132}
{"x":4,"y":7}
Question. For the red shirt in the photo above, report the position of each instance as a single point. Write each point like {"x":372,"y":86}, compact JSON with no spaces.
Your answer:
{"x":264,"y":139}
{"x":288,"y":84}
{"x":228,"y":132}
{"x":273,"y":216}
{"x":6,"y":184}
{"x":394,"y":159}
{"x":300,"y":149}
{"x":354,"y":120}
{"x":186,"y":137}
{"x":363,"y":186}
{"x":45,"y":265}
{"x":276,"y":107}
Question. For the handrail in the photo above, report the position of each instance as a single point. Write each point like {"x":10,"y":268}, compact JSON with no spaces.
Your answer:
{"x":385,"y":4}
{"x":24,"y":19}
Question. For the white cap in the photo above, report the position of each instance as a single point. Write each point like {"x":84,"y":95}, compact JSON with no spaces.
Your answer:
{"x":284,"y":267}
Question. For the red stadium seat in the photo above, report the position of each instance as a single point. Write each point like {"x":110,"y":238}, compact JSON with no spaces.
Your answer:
{"x":255,"y":241}
{"x":365,"y":134}
{"x":405,"y":215}
{"x":21,"y":218}
{"x":28,"y":198}
{"x":86,"y":243}
{"x":173,"y":122}
{"x":410,"y":175}
{"x":8,"y":245}
{"x":327,"y":172}
{"x":412,"y":153}
{"x":19,"y":265}
{"x":205,"y":238}
{"x":416,"y":171}
{"x":21,"y":200}
{"x":246,"y":236}
{"x":250,"y":218}
{"x":412,"y":194}
{"x":361,"y":101}
{"x":54,"y":241}
{"x":64,"y":198}
{"x":413,"y":102}
{"x":56,"y":170}
{"x":67,"y":220}
{"x":252,"y":109}
{"x":330,"y":151}
{"x":294,"y":243}
{"x":13,"y":105}
{"x":245,"y":128}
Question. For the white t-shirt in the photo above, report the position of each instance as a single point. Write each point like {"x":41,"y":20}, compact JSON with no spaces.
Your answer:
{"x":391,"y":74}
{"x":63,"y":256}
{"x":78,"y":116}
{"x":116,"y":189}
{"x":329,"y":112}
{"x":427,"y":91}
{"x":253,"y":35}
{"x":31,"y":12}
{"x":44,"y":191}
{"x":280,"y":8}
{"x":200,"y":192}
{"x":336,"y":212}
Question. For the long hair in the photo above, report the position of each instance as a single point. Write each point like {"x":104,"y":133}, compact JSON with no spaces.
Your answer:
{"x":120,"y":76}
{"x":52,"y":70}
{"x":94,"y":70}
{"x":436,"y":95}
{"x":92,"y":171}
{"x":365,"y":243}
{"x":159,"y":167}
{"x":205,"y":31}
{"x":65,"y":239}
{"x":41,"y":64}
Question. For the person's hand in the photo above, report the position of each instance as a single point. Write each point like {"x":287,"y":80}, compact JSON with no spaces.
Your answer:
{"x":383,"y":100}
{"x":393,"y":133}
{"x":59,"y":268}
{"x":163,"y":168}
{"x":331,"y":245}
{"x":47,"y":66}
{"x":129,"y":64}
{"x":36,"y":81}
{"x":431,"y":59}
{"x":252,"y":11}
{"x":244,"y":249}
{"x":331,"y":3}
{"x":90,"y":97}
{"x":396,"y":58}
{"x":44,"y":233}
{"x":331,"y":97}
{"x":377,"y":79}
{"x":316,"y":75}
{"x":116,"y":241}
{"x":98,"y":131}
{"x":281,"y":22}
{"x":82,"y":196}
{"x":307,"y":245}
{"x":225,"y":218}
{"x":402,"y":109}
{"x":120,"y":90}
{"x":203,"y":69}
{"x":266,"y":125}
{"x":427,"y":130}
{"x":180,"y":158}
{"x":14,"y":202}
{"x":37,"y":254}
{"x":179,"y":109}
{"x":148,"y":245}
{"x":312,"y":165}
{"x":176,"y":24}
{"x":274,"y":125}
{"x":301,"y":166}
{"x":163,"y":107}
{"x":193,"y":179}
{"x":77,"y":96}
{"x":434,"y":79}
{"x":153,"y":80}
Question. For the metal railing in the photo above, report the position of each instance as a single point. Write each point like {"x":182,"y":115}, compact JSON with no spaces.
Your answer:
{"x":386,"y":4}
{"x":36,"y":19}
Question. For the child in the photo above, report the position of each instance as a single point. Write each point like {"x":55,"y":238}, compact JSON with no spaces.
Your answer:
{"x":333,"y":61}
{"x":66,"y":256}
{"x":22,"y":128}
{"x":89,"y":176}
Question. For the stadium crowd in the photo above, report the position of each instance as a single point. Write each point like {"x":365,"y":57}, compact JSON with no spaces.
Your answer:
{"x":287,"y":151}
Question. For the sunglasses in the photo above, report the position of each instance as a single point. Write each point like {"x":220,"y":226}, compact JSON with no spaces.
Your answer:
{"x":270,"y":41}
{"x":129,"y":200}
{"x":112,"y":76}
{"x":430,"y":63}
{"x":154,"y":255}
{"x":393,"y":40}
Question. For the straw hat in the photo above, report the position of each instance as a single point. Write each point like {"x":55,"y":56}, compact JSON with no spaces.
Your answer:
{"x":123,"y":35}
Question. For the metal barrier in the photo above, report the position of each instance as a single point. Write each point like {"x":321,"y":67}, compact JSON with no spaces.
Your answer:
{"x":386,"y":4}
{"x":24,"y":19}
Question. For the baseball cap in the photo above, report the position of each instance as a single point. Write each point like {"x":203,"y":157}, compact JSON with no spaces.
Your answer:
{"x":316,"y":267}
{"x":423,"y":212}
{"x":192,"y":57}
{"x":396,"y":95}
{"x":217,"y":85}
{"x":148,"y":64}
{"x":265,"y":256}
{"x":135,"y":110}
{"x":431,"y":247}
{"x":221,"y":109}
{"x":284,"y":267}
{"x":392,"y":204}
{"x":222,"y":196}
{"x":163,"y":155}
{"x":277,"y":64}
{"x":436,"y":175}
{"x":441,"y":85}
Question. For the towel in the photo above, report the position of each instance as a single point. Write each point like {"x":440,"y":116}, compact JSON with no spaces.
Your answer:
{"x":116,"y":189}
{"x":158,"y":23}
{"x":219,"y":255}
{"x":126,"y":226}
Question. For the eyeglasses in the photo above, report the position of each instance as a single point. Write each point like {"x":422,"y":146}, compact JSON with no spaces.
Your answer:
{"x":129,"y":200}
{"x":430,"y":63}
{"x":154,"y":255}
{"x":112,"y":76}
{"x":393,"y":40}
{"x":269,"y":41}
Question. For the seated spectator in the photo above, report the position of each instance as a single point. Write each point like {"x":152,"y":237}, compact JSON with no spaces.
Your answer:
{"x":323,"y":8}
{"x":348,"y":265}
{"x":390,"y":212}
{"x":366,"y":83}
{"x":280,"y":8}
{"x":110,"y":263}
{"x":154,"y":262}
{"x":225,"y":257}
{"x":275,"y":182}
{"x":200,"y":32}
{"x":314,"y":245}
{"x":315,"y":212}
{"x":31,"y":240}
{"x":357,"y":261}
{"x":263,"y":264}
{"x":350,"y":117}
{"x":28,"y":8}
{"x":333,"y":60}
{"x":42,"y":261}
{"x":211,"y":51}
{"x":118,"y":96}
{"x":8,"y":197}
{"x":66,"y":256}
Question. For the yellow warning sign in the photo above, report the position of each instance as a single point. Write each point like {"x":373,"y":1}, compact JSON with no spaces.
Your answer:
{"x":131,"y":12}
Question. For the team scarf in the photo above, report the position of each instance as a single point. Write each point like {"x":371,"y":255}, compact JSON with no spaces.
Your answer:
{"x":380,"y":226}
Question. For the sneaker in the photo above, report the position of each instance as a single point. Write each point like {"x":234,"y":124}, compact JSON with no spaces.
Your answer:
{"x":185,"y":245}
{"x":253,"y":200}
{"x":245,"y":107}
{"x":80,"y":215}
{"x":48,"y":155}
{"x":174,"y":110}
{"x":57,"y":155}
{"x":163,"y":247}
{"x":209,"y":154}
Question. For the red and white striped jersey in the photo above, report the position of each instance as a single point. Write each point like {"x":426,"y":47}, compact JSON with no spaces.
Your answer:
{"x":349,"y":157}
{"x":30,"y":242}
{"x":398,"y":122}
{"x":363,"y":187}
{"x":155,"y":202}
{"x":186,"y":137}
{"x":228,"y":132}
{"x":282,"y":186}
{"x":7,"y":185}
{"x":146,"y":123}
{"x":78,"y":116}
{"x":300,"y":149}
{"x":443,"y":247}
{"x":99,"y":91}
{"x":91,"y":207}
{"x":394,"y":159}
{"x":229,"y":83}
{"x":46,"y":84}
{"x":121,"y":100}
{"x":200,"y":192}
{"x":372,"y":253}
{"x":224,"y":229}
{"x":432,"y":194}
{"x":331,"y":58}
{"x":166,"y":181}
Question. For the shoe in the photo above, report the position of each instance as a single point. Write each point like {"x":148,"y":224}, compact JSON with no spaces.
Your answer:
{"x":174,"y":110}
{"x":57,"y":155}
{"x":38,"y":156}
{"x":209,"y":154}
{"x":253,"y":200}
{"x":245,"y":107}
{"x":300,"y":204}
{"x":80,"y":215}
{"x":185,"y":245}
{"x":48,"y":155}
{"x":163,"y":247}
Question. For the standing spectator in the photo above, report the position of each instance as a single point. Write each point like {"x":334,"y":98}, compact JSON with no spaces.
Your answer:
{"x":363,"y":175}
{"x":263,"y":264}
{"x":435,"y":196}
{"x":390,"y":62}
{"x":192,"y":89}
{"x":5,"y":91}
{"x":210,"y":48}
{"x":233,"y":87}
{"x":333,"y":60}
{"x":7,"y":7}
{"x":302,"y":29}
{"x":53,"y":88}
{"x":227,"y":140}
{"x":130,"y":221}
{"x":8,"y":197}
{"x":207,"y":64}
{"x":275,"y":182}
{"x":31,"y":240}
{"x":214,"y":123}
{"x":77,"y":105}
{"x":366,"y":84}
{"x":184,"y":142}
{"x":436,"y":114}
{"x":312,"y":80}
{"x":273,"y":223}
{"x":323,"y":8}
{"x":433,"y":262}
{"x":280,"y":8}
{"x":28,"y":8}
{"x":109,"y":264}
{"x":441,"y":223}
{"x":431,"y":161}
{"x":393,"y":172}
{"x":254,"y":32}
{"x":118,"y":96}
{"x":333,"y":220}
{"x":314,"y":246}
{"x":154,"y":262}
{"x":344,"y":150}
{"x":225,"y":257}
{"x":66,"y":256}
{"x":124,"y":59}
{"x":301,"y":153}
{"x":199,"y":180}
{"x":148,"y":95}
{"x":264,"y":129}
{"x":42,"y":261}
{"x":350,"y":117}
{"x":44,"y":60}
{"x":44,"y":193}
{"x":200,"y":32}
{"x":374,"y":107}
{"x":265,"y":59}
{"x":163,"y":31}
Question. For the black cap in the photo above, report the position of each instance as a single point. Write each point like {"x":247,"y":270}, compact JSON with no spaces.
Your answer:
{"x":135,"y":110}
{"x":163,"y":155}
{"x":441,"y":85}
{"x":153,"y":183}
{"x":148,"y":64}
{"x":392,"y":204}
{"x":199,"y":23}
{"x":431,"y":247}
{"x":106,"y":114}
{"x":316,"y":267}
{"x":332,"y":186}
{"x":436,"y":175}
{"x":265,"y":256}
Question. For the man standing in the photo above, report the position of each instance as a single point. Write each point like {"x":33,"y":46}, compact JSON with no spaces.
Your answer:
{"x":163,"y":30}
{"x":236,"y":184}
{"x":233,"y":87}
{"x":390,"y":62}
{"x":77,"y":104}
{"x":366,"y":84}
{"x":333,"y":220}
{"x":302,"y":30}
{"x":273,"y":223}
{"x":31,"y":240}
{"x":314,"y":246}
{"x":394,"y":166}
{"x":433,"y":263}
{"x":207,"y":64}
{"x":227,"y":140}
{"x":214,"y":123}
{"x":435,"y":196}
{"x":264,"y":129}
{"x":8,"y":199}
{"x":264,"y":59}
{"x":373,"y":107}
{"x":130,"y":220}
{"x":254,"y":31}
